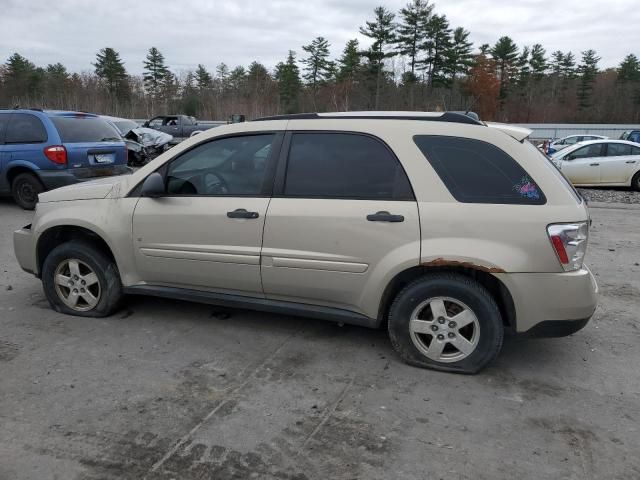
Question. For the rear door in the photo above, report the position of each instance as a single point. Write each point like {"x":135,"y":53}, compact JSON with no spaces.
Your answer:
{"x":615,"y":166}
{"x":206,"y":232}
{"x":342,"y":207}
{"x":94,"y":146}
{"x":582,"y":166}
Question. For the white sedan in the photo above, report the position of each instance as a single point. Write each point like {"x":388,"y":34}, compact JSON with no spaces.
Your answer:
{"x":565,"y":142}
{"x":601,"y":163}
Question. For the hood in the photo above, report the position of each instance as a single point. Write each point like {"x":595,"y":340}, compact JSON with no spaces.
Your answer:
{"x":519,"y":133}
{"x":99,"y":188}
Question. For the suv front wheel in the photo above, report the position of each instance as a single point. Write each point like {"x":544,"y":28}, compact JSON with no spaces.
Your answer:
{"x":79,"y":279}
{"x":446,"y":321}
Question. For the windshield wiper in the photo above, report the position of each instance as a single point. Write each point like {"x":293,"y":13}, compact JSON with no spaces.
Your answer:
{"x":106,"y":139}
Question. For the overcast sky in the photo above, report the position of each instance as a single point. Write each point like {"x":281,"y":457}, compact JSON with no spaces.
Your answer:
{"x":239,"y":31}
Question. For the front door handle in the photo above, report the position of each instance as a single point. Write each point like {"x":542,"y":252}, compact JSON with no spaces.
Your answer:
{"x":630,"y":161}
{"x":242,"y":213}
{"x":385,"y":217}
{"x":594,"y":164}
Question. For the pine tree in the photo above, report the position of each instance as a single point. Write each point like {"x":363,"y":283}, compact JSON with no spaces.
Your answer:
{"x":436,"y":45}
{"x":381,"y":30}
{"x":505,"y":53}
{"x":587,"y":70}
{"x":524,"y":71}
{"x":155,"y":72}
{"x":458,"y":56}
{"x":222,"y":76}
{"x":629,"y":69}
{"x":203,"y":78}
{"x":22,"y":77}
{"x":318,"y":67}
{"x":349,"y":67}
{"x":110,"y":69}
{"x":557,"y":59}
{"x":411,"y":30}
{"x":538,"y":62}
{"x":289,"y":83}
{"x":568,"y":66}
{"x":237,"y":79}
{"x":350,"y":62}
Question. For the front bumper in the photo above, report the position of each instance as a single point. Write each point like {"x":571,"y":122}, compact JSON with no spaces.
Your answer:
{"x":60,"y":178}
{"x":24,"y":249}
{"x":552,"y":304}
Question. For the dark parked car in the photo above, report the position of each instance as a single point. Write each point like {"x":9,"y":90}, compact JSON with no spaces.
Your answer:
{"x":180,"y":126}
{"x":632,"y":136}
{"x":42,"y":150}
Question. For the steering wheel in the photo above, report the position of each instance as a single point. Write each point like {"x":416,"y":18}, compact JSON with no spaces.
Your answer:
{"x":215,"y":184}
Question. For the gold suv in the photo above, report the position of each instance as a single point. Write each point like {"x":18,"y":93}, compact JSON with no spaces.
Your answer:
{"x":445,"y":230}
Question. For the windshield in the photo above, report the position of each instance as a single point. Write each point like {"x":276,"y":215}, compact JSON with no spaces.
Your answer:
{"x":125,"y":126}
{"x":85,"y":129}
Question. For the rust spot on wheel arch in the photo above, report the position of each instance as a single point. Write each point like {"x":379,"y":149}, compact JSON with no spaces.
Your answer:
{"x":442,"y":262}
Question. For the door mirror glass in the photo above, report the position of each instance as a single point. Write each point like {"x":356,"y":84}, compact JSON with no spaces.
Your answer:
{"x":153,"y":186}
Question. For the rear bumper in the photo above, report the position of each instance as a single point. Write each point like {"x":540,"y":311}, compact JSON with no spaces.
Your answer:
{"x":59,"y":178}
{"x":552,"y":304}
{"x":24,"y":249}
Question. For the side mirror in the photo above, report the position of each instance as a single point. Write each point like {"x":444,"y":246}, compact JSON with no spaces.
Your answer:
{"x":145,"y":124}
{"x":153,"y":186}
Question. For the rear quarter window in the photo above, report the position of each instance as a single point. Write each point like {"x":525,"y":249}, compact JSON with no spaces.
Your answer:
{"x":85,"y":129}
{"x":477,"y":172}
{"x":25,"y":128}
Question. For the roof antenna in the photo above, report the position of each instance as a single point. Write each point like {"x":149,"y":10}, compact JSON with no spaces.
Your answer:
{"x":473,"y":102}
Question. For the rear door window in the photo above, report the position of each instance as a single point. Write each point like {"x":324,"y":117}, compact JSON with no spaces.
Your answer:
{"x":478,"y":172}
{"x":344,"y":165}
{"x":25,"y":128}
{"x":618,"y":149}
{"x":85,"y":129}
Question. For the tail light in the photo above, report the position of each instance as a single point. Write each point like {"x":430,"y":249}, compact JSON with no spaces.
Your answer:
{"x":569,"y":241}
{"x":57,"y":154}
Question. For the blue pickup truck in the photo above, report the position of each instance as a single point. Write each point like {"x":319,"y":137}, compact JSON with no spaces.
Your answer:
{"x":46,"y":149}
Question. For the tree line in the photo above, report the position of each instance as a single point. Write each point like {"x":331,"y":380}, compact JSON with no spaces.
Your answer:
{"x":416,"y":60}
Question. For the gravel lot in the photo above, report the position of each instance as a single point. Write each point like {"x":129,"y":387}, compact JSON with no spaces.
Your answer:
{"x":167,"y":390}
{"x":621,"y":195}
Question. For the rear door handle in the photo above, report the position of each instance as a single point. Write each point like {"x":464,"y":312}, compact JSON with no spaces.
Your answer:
{"x":385,"y":217}
{"x":594,"y":164}
{"x":242,"y":213}
{"x":630,"y":161}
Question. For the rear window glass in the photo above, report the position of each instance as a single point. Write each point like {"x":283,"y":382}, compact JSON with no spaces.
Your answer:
{"x":25,"y":128}
{"x":478,"y":172}
{"x":85,"y":129}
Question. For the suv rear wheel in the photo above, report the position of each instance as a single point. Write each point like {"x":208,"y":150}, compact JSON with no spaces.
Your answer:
{"x":25,"y":189}
{"x":446,"y":321}
{"x":79,"y":279}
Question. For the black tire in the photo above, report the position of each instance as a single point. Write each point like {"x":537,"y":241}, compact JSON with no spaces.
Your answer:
{"x":460,"y":288}
{"x":25,"y":189}
{"x":635,"y":182}
{"x":104,"y":267}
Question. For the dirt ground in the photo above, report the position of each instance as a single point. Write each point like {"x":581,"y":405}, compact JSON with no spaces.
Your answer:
{"x":171,"y":390}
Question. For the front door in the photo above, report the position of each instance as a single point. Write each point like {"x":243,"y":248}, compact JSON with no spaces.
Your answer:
{"x":206,"y":233}
{"x":582,"y":166}
{"x":339,"y":216}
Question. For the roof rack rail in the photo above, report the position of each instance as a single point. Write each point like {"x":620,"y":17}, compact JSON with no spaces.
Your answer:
{"x":454,"y":117}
